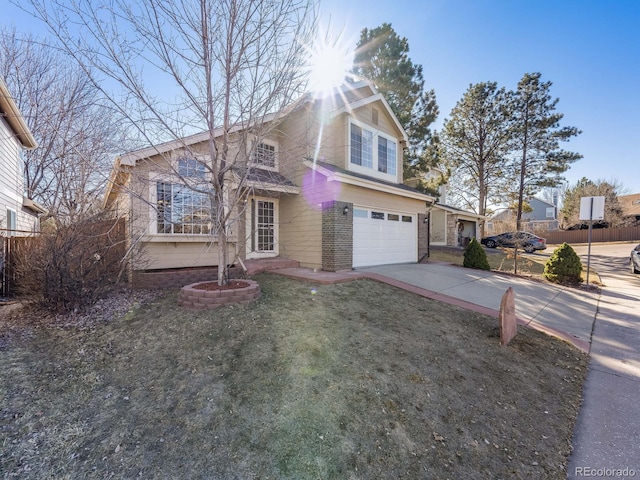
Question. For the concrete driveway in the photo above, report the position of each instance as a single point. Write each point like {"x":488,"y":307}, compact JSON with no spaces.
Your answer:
{"x":554,"y":307}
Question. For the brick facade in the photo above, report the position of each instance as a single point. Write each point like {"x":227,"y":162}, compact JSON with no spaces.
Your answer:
{"x":423,"y":236}
{"x":337,"y":236}
{"x":177,"y":277}
{"x":452,"y":230}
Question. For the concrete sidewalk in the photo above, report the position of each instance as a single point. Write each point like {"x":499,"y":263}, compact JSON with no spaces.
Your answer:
{"x":606,"y":437}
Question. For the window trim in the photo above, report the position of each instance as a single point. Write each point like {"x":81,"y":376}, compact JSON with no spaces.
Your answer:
{"x":373,"y":171}
{"x":198,"y":173}
{"x":12,"y":227}
{"x":254,"y":151}
{"x":154,"y":179}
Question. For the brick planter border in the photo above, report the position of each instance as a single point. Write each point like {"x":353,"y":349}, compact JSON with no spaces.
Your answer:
{"x":193,"y":298}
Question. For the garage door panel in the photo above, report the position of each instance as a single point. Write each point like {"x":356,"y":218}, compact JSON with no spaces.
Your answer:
{"x":383,"y":241}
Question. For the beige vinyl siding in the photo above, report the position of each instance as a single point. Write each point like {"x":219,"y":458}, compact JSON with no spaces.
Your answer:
{"x":301,"y":231}
{"x":385,"y":124}
{"x":438,"y":227}
{"x":376,"y":199}
{"x":159,"y":255}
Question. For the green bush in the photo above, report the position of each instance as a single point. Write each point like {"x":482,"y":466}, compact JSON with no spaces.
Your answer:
{"x":475,"y":256}
{"x":564,"y":266}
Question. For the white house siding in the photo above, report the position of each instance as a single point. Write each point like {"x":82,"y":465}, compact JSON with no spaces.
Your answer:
{"x":11,"y":182}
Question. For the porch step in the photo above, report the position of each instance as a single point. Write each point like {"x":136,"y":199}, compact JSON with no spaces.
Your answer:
{"x":257,"y":265}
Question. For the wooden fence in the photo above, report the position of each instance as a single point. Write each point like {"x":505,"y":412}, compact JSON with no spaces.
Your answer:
{"x":622,"y":234}
{"x":107,"y":235}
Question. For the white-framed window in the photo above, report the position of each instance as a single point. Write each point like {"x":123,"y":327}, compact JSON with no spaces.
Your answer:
{"x":372,"y":152}
{"x":11,"y":222}
{"x":265,"y":155}
{"x":361,"y":146}
{"x":182,"y":209}
{"x":551,"y":211}
{"x":192,"y":168}
{"x":386,"y":156}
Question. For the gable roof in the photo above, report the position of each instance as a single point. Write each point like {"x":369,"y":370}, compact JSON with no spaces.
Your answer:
{"x":344,"y":106}
{"x":458,"y":211}
{"x":541,"y":201}
{"x":376,"y":97}
{"x":10,"y":112}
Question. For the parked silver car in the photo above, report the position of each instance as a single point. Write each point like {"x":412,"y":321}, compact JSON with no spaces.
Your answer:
{"x":525,"y":240}
{"x":634,"y":260}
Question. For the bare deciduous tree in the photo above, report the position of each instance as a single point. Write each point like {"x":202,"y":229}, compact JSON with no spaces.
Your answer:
{"x":176,"y":67}
{"x":76,"y":133}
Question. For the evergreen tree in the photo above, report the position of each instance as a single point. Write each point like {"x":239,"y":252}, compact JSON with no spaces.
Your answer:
{"x":537,"y":134}
{"x":564,"y":266}
{"x":475,"y":143}
{"x":382,"y":57}
{"x":475,"y":256}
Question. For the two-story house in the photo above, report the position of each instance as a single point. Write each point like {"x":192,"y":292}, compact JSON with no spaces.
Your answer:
{"x":18,"y":214}
{"x":323,"y":187}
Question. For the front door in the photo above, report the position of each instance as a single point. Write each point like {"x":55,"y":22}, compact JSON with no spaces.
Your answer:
{"x":263,"y":241}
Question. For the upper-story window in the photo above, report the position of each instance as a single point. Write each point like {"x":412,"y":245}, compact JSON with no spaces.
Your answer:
{"x":372,"y":152}
{"x":386,"y":156}
{"x":265,"y":155}
{"x":361,"y":146}
{"x":190,"y":167}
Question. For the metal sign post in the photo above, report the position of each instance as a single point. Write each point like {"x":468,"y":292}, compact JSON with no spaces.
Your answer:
{"x":591,"y":208}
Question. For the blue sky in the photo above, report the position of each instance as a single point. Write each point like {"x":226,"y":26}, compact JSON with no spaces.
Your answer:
{"x":589,"y":49}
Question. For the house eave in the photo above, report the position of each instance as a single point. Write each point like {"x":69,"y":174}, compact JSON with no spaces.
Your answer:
{"x":270,"y":187}
{"x":33,"y":206}
{"x":460,"y":213}
{"x":370,"y":184}
{"x":14,"y":118}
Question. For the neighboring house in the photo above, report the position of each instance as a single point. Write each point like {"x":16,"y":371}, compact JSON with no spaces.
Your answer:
{"x":542,"y":217}
{"x":347,"y":208}
{"x":449,"y":226}
{"x":452,"y":226}
{"x":630,"y":208}
{"x":18,"y":214}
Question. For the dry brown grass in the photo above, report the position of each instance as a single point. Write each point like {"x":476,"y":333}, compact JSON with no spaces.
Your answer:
{"x":356,"y":380}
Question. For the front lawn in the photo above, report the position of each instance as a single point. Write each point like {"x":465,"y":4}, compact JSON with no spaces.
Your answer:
{"x":356,"y":380}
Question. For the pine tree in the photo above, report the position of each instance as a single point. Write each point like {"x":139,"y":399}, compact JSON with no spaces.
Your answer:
{"x":537,"y":135}
{"x":475,"y":143}
{"x":382,"y":57}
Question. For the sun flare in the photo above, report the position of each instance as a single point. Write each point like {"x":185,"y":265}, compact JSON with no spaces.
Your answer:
{"x":330,"y":62}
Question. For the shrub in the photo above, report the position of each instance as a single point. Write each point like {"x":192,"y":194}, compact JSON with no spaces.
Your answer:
{"x":564,"y":266}
{"x":475,"y":256}
{"x":72,"y":267}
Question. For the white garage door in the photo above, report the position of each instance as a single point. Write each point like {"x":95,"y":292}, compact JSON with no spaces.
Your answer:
{"x":382,"y":237}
